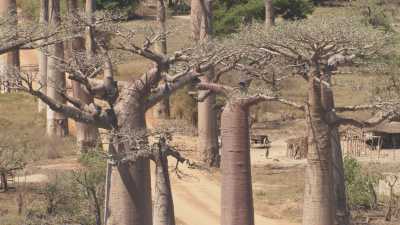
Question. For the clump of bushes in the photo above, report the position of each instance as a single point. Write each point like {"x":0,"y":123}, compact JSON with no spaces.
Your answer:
{"x":75,"y":198}
{"x":229,"y":15}
{"x":359,"y":186}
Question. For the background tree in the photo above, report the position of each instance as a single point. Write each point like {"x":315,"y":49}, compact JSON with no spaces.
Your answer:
{"x":57,"y":123}
{"x":8,"y":8}
{"x":87,"y":135}
{"x":43,"y":19}
{"x":207,"y":145}
{"x":162,"y":109}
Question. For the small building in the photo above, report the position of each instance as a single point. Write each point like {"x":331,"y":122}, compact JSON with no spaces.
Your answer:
{"x":389,"y":133}
{"x":384,"y":135}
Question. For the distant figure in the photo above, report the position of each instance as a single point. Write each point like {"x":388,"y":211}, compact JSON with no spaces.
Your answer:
{"x":267,"y":144}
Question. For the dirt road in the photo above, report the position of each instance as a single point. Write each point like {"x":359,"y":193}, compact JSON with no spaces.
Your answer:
{"x":197,"y":200}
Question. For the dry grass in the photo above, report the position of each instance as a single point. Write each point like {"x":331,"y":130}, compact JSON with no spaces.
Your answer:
{"x":23,"y":128}
{"x":278,"y":191}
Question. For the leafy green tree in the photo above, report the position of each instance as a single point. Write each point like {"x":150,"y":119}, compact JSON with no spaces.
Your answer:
{"x":230,"y":14}
{"x":126,"y":6}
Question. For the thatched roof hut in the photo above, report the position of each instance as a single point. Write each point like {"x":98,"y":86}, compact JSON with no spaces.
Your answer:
{"x":388,"y":130}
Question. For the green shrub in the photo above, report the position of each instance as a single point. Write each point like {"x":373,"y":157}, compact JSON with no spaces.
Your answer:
{"x":229,"y":15}
{"x":359,"y":186}
{"x":127,"y":7}
{"x":376,"y":16}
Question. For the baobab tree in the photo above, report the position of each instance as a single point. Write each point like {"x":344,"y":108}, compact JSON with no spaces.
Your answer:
{"x":57,"y":123}
{"x":236,"y":188}
{"x":8,"y":9}
{"x":43,"y":19}
{"x":201,"y":18}
{"x":162,"y":109}
{"x":125,"y":104}
{"x":87,"y":135}
{"x":314,"y":50}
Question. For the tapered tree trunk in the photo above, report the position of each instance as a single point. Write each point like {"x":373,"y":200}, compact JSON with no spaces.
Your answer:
{"x":129,"y":201}
{"x":162,"y":109}
{"x":163,"y":202}
{"x":318,"y":208}
{"x":43,"y":19}
{"x":207,"y":144}
{"x":57,"y":123}
{"x":269,"y":14}
{"x":87,"y":135}
{"x":201,"y":15}
{"x":342,"y":215}
{"x":8,"y":8}
{"x":236,"y":188}
{"x":90,"y":8}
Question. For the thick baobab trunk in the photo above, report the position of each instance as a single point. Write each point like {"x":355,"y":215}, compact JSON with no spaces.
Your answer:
{"x":342,"y":215}
{"x":86,"y":135}
{"x":44,"y":19}
{"x":162,"y":109}
{"x":8,"y":8}
{"x":201,"y":15}
{"x":90,"y":7}
{"x":318,"y":208}
{"x":163,"y":202}
{"x":269,"y":14}
{"x":57,"y":123}
{"x":207,"y":144}
{"x":129,"y":200}
{"x":236,"y":188}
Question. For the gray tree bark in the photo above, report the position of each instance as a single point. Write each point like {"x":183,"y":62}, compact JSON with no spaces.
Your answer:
{"x":269,"y":14}
{"x":57,"y":123}
{"x":318,"y":208}
{"x":87,"y":135}
{"x":236,"y":185}
{"x":43,"y":19}
{"x":163,"y":202}
{"x":8,"y":8}
{"x":201,"y":16}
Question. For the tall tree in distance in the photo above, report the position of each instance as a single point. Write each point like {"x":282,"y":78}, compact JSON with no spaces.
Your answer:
{"x":87,"y":135}
{"x":57,"y":123}
{"x":8,"y":8}
{"x":269,"y":14}
{"x":207,"y":146}
{"x":43,"y":19}
{"x":90,"y":7}
{"x":162,"y":109}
